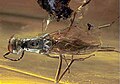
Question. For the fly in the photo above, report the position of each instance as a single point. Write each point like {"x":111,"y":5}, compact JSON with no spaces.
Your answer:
{"x":60,"y":43}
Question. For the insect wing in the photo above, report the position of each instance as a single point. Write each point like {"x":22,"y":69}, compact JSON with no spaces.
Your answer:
{"x":75,"y":39}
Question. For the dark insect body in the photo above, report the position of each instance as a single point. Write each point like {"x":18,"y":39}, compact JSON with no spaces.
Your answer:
{"x":58,"y":8}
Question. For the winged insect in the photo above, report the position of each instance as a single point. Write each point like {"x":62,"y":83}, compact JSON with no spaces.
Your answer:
{"x":72,"y":41}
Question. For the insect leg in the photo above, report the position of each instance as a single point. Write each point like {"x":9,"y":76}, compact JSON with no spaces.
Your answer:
{"x":66,"y":69}
{"x":59,"y":69}
{"x":13,"y":59}
{"x":109,"y":24}
{"x":66,"y":63}
{"x":82,"y":59}
{"x":20,"y":56}
{"x":78,"y":10}
{"x":84,"y":4}
{"x":108,"y":49}
{"x":87,"y":2}
{"x":6,"y":54}
{"x":71,"y":62}
{"x":72,"y":20}
{"x":52,"y":56}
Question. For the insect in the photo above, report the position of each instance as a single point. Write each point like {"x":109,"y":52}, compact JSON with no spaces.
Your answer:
{"x":61,"y":44}
{"x":71,"y":41}
{"x":59,"y":9}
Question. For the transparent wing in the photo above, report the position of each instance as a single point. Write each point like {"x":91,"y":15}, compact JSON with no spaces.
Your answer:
{"x":75,"y":41}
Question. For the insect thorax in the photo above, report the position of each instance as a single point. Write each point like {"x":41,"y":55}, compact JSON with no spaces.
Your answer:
{"x":37,"y":45}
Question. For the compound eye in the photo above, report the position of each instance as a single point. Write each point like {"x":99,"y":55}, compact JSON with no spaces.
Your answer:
{"x":10,"y":47}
